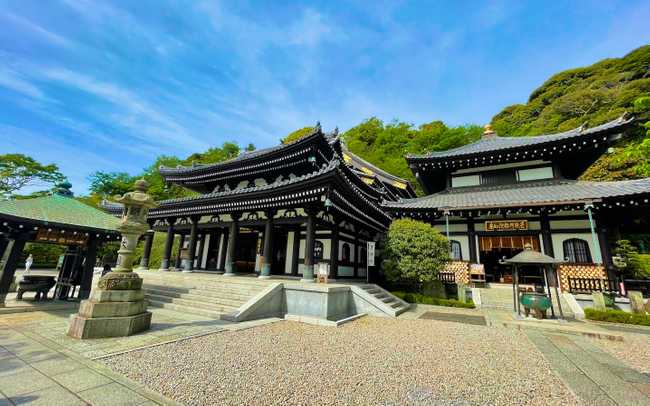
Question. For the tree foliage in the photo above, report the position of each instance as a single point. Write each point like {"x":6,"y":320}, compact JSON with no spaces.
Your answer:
{"x":590,"y":95}
{"x":18,"y":171}
{"x":414,"y":251}
{"x":296,"y":135}
{"x":386,"y":145}
{"x":635,"y":268}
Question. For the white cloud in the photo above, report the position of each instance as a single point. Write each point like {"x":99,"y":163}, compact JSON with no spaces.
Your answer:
{"x":12,"y":80}
{"x":145,"y":121}
{"x":41,"y":32}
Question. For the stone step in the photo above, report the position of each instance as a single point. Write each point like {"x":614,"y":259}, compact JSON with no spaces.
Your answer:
{"x":243,"y":288}
{"x":186,"y":309}
{"x":216,"y":307}
{"x":194,"y":297}
{"x":194,"y":279}
{"x":233,"y":294}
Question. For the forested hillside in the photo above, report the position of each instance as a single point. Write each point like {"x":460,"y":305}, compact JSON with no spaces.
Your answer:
{"x":590,"y":95}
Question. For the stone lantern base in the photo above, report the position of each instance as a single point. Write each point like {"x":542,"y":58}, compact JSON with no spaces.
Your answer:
{"x":112,"y":312}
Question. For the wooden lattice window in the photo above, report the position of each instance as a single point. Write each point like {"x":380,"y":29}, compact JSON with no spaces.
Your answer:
{"x":577,"y":251}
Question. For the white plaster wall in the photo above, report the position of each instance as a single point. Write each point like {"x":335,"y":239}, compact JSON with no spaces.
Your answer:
{"x":564,"y":224}
{"x":452,"y":228}
{"x":220,"y":248}
{"x":559,"y":238}
{"x":204,"y":258}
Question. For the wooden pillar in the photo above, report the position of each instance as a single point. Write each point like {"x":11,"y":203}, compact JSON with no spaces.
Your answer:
{"x":89,"y":267}
{"x":471,"y":235}
{"x":4,"y":242}
{"x":146,"y":253}
{"x":546,"y":234}
{"x":188,"y":263}
{"x":295,"y":252}
{"x":169,"y":242}
{"x":222,"y":250}
{"x":181,"y":242}
{"x":334,"y":253}
{"x":356,"y":252}
{"x":267,"y":249}
{"x":7,"y":276}
{"x":310,"y":244}
{"x":199,"y":254}
{"x":232,"y":241}
{"x":606,"y":252}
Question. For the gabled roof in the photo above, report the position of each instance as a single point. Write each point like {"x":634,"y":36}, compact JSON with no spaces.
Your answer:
{"x":372,"y":171}
{"x":247,"y":160}
{"x":506,"y":144}
{"x":517,"y":195}
{"x":59,"y":210}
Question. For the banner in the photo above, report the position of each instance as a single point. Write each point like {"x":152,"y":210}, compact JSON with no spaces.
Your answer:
{"x":371,"y":253}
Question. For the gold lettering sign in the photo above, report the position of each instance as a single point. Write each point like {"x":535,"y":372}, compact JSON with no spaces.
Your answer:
{"x":59,"y":236}
{"x":506,"y":225}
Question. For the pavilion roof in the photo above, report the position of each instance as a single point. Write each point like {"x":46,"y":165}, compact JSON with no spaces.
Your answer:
{"x":495,"y":143}
{"x":59,"y":210}
{"x":370,"y":171}
{"x":521,"y":195}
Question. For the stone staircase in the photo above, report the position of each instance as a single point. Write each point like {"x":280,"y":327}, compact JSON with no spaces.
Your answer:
{"x":395,"y":306}
{"x":210,"y":296}
{"x":500,"y":298}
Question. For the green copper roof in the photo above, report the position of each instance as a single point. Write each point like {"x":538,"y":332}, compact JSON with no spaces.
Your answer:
{"x":60,"y":210}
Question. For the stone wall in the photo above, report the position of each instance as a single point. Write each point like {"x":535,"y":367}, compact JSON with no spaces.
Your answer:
{"x":460,"y":269}
{"x":579,"y":271}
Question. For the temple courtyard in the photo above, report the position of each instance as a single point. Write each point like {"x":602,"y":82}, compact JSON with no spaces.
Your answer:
{"x":428,"y":355}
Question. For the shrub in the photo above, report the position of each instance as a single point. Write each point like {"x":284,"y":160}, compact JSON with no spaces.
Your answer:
{"x":424,"y":299}
{"x":617,"y":316}
{"x":415,"y":251}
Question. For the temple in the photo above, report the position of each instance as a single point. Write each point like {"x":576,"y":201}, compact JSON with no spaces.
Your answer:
{"x":278,"y":211}
{"x":494,"y":196}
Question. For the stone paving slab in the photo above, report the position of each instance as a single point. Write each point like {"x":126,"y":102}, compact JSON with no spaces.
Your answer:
{"x":60,"y":377}
{"x":593,"y":375}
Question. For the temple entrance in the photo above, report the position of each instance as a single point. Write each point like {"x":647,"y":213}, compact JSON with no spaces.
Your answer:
{"x":279,"y":251}
{"x":496,"y":248}
{"x":246,"y":251}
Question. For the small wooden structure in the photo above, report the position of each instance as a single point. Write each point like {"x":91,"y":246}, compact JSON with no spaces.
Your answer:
{"x":530,"y":257}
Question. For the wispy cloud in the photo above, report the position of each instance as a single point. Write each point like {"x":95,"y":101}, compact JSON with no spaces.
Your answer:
{"x":29,"y":26}
{"x":14,"y":81}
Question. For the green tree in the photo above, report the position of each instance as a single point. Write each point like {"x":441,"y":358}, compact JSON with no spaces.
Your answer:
{"x":414,"y":251}
{"x":18,"y":171}
{"x":109,"y":184}
{"x":296,"y":135}
{"x":250,"y":147}
{"x":635,"y":268}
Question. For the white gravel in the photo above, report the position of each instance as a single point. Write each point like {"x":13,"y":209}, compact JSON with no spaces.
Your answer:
{"x":369,"y":361}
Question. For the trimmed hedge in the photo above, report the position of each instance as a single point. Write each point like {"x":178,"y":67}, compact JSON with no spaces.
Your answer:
{"x":424,"y":299}
{"x":617,"y":316}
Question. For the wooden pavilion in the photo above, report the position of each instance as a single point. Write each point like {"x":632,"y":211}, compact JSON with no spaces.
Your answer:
{"x":54,"y":219}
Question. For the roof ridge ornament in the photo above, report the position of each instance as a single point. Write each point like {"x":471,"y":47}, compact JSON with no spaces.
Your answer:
{"x":317,"y":127}
{"x":582,"y":127}
{"x":488,"y":132}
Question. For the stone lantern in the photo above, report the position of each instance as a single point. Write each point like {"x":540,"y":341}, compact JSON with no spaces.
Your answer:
{"x":117,"y":307}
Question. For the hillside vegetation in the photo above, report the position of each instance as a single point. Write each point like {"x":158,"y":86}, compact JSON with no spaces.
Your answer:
{"x":590,"y":95}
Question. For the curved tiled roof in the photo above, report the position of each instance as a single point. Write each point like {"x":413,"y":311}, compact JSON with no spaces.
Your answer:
{"x":245,"y":156}
{"x":537,"y":193}
{"x":62,"y":210}
{"x":497,"y":143}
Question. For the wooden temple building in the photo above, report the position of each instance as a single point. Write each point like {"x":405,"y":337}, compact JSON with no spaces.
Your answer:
{"x":278,"y":211}
{"x":494,"y":196}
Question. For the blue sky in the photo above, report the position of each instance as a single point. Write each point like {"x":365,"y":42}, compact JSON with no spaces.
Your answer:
{"x":94,"y":85}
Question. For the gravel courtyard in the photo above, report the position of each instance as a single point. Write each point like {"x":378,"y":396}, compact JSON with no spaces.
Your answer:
{"x":369,"y":361}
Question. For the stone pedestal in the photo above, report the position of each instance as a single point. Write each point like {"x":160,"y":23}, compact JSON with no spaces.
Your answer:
{"x":116,"y":308}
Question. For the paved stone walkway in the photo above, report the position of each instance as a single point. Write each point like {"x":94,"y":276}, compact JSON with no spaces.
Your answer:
{"x":37,"y":372}
{"x":592,"y":374}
